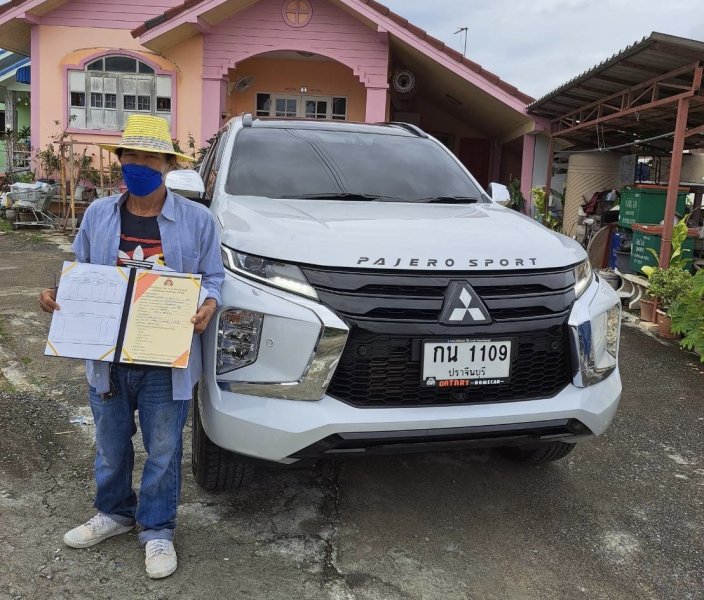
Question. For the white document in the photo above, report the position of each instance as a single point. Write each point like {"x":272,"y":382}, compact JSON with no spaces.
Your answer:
{"x":91,"y":298}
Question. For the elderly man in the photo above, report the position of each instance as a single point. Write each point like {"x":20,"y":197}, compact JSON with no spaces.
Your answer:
{"x":145,"y":226}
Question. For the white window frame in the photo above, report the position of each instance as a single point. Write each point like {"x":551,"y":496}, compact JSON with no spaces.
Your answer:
{"x":301,"y":104}
{"x":153,"y":85}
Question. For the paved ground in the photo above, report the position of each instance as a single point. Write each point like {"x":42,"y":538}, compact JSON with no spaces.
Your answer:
{"x":621,"y":519}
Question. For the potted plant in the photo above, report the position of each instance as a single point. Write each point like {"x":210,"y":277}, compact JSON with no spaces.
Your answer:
{"x":668,"y":285}
{"x":667,"y":282}
{"x":648,"y":304}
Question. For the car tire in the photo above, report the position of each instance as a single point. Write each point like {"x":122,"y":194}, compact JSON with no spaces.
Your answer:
{"x":536,"y":455}
{"x":213,"y":467}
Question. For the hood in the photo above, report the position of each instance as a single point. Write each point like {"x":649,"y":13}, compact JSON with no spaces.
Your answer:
{"x":392,"y":235}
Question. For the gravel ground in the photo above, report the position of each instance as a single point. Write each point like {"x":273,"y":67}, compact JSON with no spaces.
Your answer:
{"x":622,"y":518}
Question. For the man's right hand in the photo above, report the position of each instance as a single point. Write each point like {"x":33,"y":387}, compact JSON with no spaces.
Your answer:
{"x":47,"y":300}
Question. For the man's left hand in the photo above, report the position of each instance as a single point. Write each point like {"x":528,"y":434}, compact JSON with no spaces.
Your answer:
{"x":201,"y":319}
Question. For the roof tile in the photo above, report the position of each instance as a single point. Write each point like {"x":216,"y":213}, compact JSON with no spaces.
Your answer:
{"x":452,"y":53}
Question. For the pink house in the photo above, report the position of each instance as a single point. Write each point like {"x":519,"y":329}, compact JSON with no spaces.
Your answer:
{"x":199,"y":62}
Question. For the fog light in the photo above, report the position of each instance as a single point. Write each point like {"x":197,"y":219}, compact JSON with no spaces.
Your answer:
{"x":598,"y":345}
{"x":239,"y":334}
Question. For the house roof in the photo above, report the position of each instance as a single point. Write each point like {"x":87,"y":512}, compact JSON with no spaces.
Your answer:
{"x":10,"y":63}
{"x":383,"y":11}
{"x":38,"y":7}
{"x":10,"y":4}
{"x":16,"y":18}
{"x":656,"y":54}
{"x":669,"y":59}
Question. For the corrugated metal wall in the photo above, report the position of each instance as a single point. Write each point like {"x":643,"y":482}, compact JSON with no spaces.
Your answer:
{"x":586,"y":174}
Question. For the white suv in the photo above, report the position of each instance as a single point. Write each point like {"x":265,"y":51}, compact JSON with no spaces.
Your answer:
{"x":378,"y":300}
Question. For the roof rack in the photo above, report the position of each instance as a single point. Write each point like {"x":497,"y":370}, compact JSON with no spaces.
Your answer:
{"x":408,"y":127}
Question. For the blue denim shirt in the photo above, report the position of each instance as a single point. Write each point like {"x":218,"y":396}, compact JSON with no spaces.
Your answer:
{"x":190,"y":241}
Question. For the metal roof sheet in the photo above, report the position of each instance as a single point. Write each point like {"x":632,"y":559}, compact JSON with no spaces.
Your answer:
{"x":656,"y":54}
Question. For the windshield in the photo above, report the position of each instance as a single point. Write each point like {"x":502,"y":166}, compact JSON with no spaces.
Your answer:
{"x":345,"y":165}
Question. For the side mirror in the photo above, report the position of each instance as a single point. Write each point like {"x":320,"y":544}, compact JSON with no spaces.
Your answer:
{"x":186,"y":182}
{"x":499,"y":193}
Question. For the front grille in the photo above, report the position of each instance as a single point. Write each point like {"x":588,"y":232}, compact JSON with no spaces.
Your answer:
{"x":385,"y":371}
{"x":419,"y":297}
{"x":391,"y":314}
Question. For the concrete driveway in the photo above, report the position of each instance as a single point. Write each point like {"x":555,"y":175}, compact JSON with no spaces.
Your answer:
{"x":622,"y":518}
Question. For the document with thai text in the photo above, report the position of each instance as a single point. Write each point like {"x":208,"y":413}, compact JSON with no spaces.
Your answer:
{"x":126,"y":315}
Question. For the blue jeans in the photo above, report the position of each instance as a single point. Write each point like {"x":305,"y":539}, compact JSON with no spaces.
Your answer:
{"x":161,"y":419}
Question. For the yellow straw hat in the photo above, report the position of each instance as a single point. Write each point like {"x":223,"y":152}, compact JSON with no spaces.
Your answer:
{"x":146,"y":133}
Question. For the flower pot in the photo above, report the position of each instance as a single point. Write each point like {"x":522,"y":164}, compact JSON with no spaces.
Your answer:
{"x":647,"y":310}
{"x":665,"y":326}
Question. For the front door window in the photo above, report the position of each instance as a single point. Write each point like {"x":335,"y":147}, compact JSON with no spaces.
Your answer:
{"x":303,"y":106}
{"x":316,"y":108}
{"x":285,"y":107}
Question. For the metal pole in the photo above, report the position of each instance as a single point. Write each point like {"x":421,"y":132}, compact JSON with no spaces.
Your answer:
{"x":673,"y":183}
{"x":463,"y":30}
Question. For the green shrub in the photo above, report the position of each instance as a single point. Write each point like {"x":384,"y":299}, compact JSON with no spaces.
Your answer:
{"x":687,"y":314}
{"x":669,"y":284}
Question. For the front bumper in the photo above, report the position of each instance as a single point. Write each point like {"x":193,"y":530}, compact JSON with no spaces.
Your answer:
{"x":276,"y":430}
{"x":239,"y":416}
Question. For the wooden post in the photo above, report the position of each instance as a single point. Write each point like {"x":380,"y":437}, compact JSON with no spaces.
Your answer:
{"x":100,"y":154}
{"x":73,"y":198}
{"x":72,"y":202}
{"x":548,"y":177}
{"x":62,"y":161}
{"x":673,"y":183}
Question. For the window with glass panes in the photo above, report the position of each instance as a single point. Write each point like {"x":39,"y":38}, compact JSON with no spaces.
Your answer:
{"x":111,"y":88}
{"x":304,"y":106}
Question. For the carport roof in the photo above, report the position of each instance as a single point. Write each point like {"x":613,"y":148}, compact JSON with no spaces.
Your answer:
{"x":630,"y":96}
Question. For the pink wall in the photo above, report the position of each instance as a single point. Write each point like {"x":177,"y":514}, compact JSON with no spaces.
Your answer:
{"x":108,"y":14}
{"x":62,"y":47}
{"x":331,"y":32}
{"x":261,"y":28}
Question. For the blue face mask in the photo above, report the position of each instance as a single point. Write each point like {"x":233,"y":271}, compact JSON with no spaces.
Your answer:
{"x":140,"y":179}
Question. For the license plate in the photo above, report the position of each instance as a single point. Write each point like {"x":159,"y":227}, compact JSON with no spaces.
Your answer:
{"x":466,"y":362}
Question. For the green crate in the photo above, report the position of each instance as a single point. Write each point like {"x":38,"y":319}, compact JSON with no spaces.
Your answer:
{"x":646,"y":206}
{"x":640,"y":257}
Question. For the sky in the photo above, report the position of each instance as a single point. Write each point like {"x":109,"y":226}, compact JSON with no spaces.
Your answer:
{"x":537,"y":45}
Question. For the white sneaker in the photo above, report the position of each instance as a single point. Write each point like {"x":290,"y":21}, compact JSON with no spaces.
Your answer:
{"x":99,"y":528}
{"x":160,"y":558}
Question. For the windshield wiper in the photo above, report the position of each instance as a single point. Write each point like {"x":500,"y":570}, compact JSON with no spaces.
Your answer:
{"x":448,"y":200}
{"x":339,"y":196}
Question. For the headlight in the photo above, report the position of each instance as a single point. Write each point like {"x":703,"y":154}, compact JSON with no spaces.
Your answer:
{"x":239,"y":334}
{"x":583,"y":276}
{"x":280,"y":275}
{"x":598,"y":345}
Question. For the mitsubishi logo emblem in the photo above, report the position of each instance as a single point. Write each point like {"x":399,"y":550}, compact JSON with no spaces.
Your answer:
{"x":463,"y":306}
